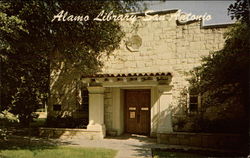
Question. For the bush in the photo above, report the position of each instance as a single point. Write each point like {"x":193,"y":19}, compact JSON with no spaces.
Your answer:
{"x":198,"y":123}
{"x":67,"y":122}
{"x":6,"y":119}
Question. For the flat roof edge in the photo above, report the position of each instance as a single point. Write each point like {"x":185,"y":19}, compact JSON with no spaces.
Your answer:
{"x":217,"y":26}
{"x":151,"y":12}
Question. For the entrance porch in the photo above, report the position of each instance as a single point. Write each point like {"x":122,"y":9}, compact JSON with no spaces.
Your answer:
{"x":129,"y":103}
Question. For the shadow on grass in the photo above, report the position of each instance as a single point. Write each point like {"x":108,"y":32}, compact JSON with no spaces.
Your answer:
{"x":25,"y":147}
{"x":30,"y":143}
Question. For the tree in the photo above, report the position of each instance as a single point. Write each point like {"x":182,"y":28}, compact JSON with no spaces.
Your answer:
{"x":6,"y":118}
{"x":240,"y":10}
{"x":29,"y":39}
{"x":223,"y":78}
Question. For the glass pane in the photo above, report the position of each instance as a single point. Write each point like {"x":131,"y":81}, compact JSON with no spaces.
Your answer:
{"x":85,"y":100}
{"x":193,"y":107}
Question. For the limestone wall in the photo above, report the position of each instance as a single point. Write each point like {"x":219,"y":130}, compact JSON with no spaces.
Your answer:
{"x":233,"y":142}
{"x":108,"y":109}
{"x":165,"y":46}
{"x":148,"y":46}
{"x":65,"y":89}
{"x":69,"y":133}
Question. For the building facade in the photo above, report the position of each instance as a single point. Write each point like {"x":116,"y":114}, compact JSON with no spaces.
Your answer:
{"x":140,"y":86}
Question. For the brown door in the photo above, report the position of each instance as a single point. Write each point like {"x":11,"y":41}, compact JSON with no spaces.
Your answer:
{"x":137,"y":111}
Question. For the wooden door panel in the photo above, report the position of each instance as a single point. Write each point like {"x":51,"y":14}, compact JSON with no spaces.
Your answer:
{"x":144,"y":104}
{"x":131,"y":111}
{"x":137,"y":111}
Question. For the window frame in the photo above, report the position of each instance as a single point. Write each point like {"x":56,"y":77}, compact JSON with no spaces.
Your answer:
{"x":196,"y":110}
{"x":84,"y":106}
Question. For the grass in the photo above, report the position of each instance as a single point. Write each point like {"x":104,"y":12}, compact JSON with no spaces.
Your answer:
{"x":58,"y":152}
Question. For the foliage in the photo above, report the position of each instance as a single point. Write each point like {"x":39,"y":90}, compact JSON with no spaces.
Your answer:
{"x":28,"y":40}
{"x":66,"y":122}
{"x":223,"y":78}
{"x":240,"y":10}
{"x":225,"y":73}
{"x":6,"y":118}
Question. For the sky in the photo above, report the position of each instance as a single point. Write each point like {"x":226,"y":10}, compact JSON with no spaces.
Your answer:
{"x":217,"y":9}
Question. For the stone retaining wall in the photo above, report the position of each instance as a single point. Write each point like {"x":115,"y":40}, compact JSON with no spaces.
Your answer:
{"x":205,"y":140}
{"x":65,"y":133}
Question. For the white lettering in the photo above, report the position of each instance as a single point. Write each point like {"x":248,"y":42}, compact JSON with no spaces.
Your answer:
{"x":63,"y":16}
{"x":59,"y":16}
{"x":209,"y":17}
{"x":104,"y":16}
{"x":70,"y":18}
{"x":155,"y":17}
{"x":99,"y":15}
{"x":86,"y":18}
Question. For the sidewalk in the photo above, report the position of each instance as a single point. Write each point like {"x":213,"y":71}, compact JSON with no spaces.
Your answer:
{"x":135,"y":146}
{"x":128,"y":146}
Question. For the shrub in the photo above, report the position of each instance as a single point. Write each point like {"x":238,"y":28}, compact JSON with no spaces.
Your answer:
{"x":66,"y":122}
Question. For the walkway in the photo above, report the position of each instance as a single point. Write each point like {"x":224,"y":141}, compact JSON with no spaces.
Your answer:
{"x":128,"y":146}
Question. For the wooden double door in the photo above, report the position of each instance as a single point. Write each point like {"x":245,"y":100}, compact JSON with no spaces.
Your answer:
{"x":137,"y":111}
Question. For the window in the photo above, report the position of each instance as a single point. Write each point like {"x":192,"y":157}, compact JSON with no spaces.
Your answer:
{"x":85,"y":100}
{"x":193,"y":100}
{"x":57,"y":107}
{"x":193,"y":103}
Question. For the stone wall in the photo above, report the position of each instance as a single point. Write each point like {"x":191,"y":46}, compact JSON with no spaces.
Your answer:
{"x":65,"y":88}
{"x":65,"y":133}
{"x":148,"y":46}
{"x":205,"y":140}
{"x":165,"y":46}
{"x":63,"y":82}
{"x":108,"y":109}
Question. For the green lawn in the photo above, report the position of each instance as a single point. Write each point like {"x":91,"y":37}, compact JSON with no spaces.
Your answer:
{"x":58,"y":152}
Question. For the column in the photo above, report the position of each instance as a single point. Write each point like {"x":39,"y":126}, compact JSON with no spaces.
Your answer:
{"x":96,"y":110}
{"x":165,"y":118}
{"x":117,"y":111}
